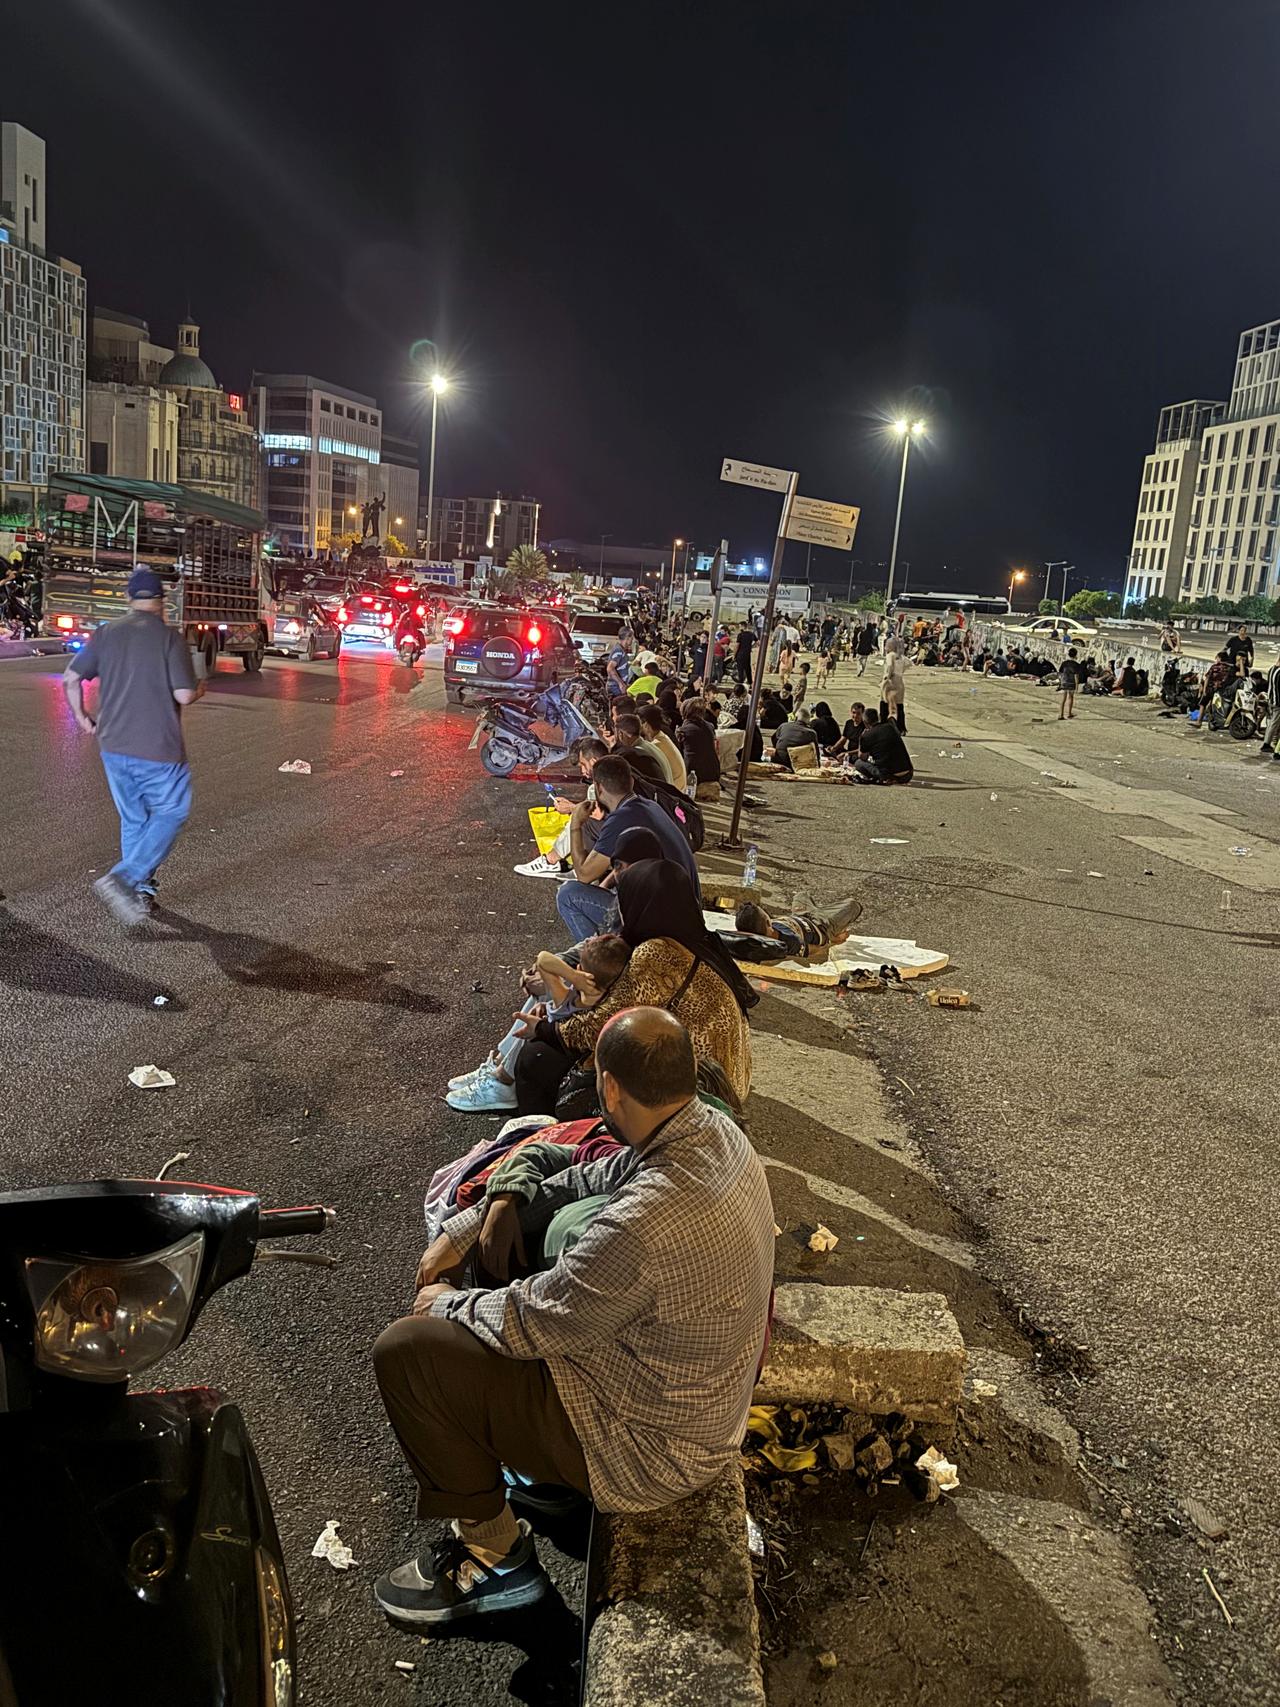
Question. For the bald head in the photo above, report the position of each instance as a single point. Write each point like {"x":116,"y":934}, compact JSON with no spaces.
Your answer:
{"x":645,"y":1069}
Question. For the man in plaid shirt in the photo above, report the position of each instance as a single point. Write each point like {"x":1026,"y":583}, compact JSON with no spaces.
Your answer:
{"x":625,"y":1371}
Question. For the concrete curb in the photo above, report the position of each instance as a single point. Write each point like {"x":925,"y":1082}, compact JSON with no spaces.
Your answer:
{"x":679,"y":1619}
{"x":874,"y":1350}
{"x":31,"y":648}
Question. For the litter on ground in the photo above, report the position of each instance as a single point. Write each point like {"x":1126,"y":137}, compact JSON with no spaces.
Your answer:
{"x":149,"y":1077}
{"x":295,"y":767}
{"x":159,"y":1001}
{"x":178,"y":1156}
{"x":1241,"y":853}
{"x":888,"y":841}
{"x":396,"y":773}
{"x":949,"y":999}
{"x":755,"y":1538}
{"x":823,"y":1239}
{"x":942,"y":1473}
{"x":329,"y":1547}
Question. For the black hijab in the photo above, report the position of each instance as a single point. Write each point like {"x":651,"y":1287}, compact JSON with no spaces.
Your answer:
{"x":637,"y":844}
{"x":656,"y":899}
{"x":825,"y":726}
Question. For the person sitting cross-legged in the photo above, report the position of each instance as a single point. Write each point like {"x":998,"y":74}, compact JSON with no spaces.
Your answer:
{"x":625,"y":1370}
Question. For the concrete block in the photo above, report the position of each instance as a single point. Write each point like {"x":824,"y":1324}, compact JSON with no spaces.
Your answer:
{"x":875,"y":1351}
{"x":679,"y":1620}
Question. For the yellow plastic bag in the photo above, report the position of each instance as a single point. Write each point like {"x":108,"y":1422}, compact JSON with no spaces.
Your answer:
{"x":546,"y":824}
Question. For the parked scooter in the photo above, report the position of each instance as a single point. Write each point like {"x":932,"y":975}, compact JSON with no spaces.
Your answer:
{"x":538,"y":731}
{"x":1240,"y":708}
{"x":141,"y":1562}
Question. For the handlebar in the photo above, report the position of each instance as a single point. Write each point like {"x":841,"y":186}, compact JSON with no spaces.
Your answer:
{"x":294,"y":1223}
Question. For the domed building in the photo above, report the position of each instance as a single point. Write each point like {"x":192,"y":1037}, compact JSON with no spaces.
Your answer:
{"x":217,"y":444}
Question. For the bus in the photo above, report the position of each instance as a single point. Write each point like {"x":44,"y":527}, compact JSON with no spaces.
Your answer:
{"x":938,"y":604}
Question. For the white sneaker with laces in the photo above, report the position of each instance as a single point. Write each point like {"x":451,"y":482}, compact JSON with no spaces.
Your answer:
{"x":486,"y":1091}
{"x":460,"y":1079}
{"x":541,"y":866}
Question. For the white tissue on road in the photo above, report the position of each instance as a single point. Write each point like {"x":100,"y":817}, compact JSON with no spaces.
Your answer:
{"x":888,"y":841}
{"x":329,"y":1547}
{"x":296,"y":767}
{"x":151,"y":1078}
{"x":943,"y":1476}
{"x":755,"y":1538}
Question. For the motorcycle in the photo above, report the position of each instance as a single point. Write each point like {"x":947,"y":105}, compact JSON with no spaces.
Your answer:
{"x":1240,"y":709}
{"x":148,"y":1508}
{"x":538,"y":731}
{"x":409,"y":637}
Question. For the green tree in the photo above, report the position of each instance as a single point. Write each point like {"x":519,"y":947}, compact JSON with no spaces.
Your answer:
{"x":1157,"y":608}
{"x":1209,"y":604}
{"x":393,"y":547}
{"x":871,"y":602}
{"x":527,"y":563}
{"x":1275,"y":611}
{"x":1092,"y":602}
{"x":1047,"y":607}
{"x":1254,"y":608}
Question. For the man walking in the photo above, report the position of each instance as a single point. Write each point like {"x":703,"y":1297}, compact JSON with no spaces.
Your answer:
{"x":144,"y":675}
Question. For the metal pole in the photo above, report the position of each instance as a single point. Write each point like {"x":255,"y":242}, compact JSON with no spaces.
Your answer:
{"x":897,"y":520}
{"x":1066,"y":570}
{"x":431,"y":470}
{"x":720,"y":562}
{"x":762,"y":651}
{"x":853,"y":563}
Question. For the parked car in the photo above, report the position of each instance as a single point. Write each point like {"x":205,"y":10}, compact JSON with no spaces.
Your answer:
{"x":1045,"y":625}
{"x":370,"y":616}
{"x":492,"y":648}
{"x":303,"y":628}
{"x":594,"y":633}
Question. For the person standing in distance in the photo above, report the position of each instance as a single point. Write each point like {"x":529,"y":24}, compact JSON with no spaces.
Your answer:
{"x":144,"y":676}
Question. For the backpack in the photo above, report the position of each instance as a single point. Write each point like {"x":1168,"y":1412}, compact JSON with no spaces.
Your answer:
{"x":686,"y":813}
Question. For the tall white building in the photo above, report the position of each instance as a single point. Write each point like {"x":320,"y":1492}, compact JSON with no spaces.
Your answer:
{"x":1227,"y":473}
{"x":133,"y":431}
{"x":42,"y":329}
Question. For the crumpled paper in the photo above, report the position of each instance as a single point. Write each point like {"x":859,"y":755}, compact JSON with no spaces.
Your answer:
{"x":296,"y":767}
{"x":943,"y":1476}
{"x":823,"y":1239}
{"x":329,"y":1547}
{"x":151,"y":1078}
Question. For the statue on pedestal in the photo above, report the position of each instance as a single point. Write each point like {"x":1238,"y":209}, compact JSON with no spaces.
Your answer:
{"x":371,"y":516}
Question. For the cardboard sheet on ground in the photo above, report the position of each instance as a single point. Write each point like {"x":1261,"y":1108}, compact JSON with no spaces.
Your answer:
{"x":870,"y":952}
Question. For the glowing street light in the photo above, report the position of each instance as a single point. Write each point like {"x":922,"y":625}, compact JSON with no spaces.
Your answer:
{"x":906,"y":431}
{"x":439,"y":385}
{"x":1018,"y":575}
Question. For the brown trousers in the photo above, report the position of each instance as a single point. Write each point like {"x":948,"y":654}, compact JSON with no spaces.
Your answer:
{"x":461,"y":1411}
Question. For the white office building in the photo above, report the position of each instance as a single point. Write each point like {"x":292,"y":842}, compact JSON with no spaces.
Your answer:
{"x":42,"y":330}
{"x":322,"y":450}
{"x":1223,"y":470}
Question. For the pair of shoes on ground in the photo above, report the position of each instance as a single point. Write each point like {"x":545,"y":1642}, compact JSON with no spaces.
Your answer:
{"x":542,"y":866}
{"x":480,"y":1090}
{"x":130,"y":906}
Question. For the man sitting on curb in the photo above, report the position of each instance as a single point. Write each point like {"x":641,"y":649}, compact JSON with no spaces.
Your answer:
{"x":585,"y":906}
{"x":625,"y":1371}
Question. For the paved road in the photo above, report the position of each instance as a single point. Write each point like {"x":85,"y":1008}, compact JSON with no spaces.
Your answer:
{"x":324,"y":939}
{"x":1108,"y":1113}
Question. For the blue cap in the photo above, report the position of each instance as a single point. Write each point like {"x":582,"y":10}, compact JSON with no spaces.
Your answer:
{"x":145,"y":584}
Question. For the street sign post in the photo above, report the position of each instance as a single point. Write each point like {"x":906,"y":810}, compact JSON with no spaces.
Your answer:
{"x":757,"y":474}
{"x":718,"y":565}
{"x":765,"y":479}
{"x":814,"y":521}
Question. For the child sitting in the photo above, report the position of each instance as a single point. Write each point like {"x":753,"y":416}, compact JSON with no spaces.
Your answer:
{"x":567,"y":989}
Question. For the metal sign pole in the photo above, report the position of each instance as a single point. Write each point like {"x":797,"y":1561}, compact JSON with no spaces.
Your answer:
{"x":732,"y":840}
{"x":719,"y":564}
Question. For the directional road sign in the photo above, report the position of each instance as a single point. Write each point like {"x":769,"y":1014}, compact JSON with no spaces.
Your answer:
{"x":814,"y":521}
{"x":755,"y":474}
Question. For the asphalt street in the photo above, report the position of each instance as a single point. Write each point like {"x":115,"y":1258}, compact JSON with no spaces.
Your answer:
{"x":1106,"y":1112}
{"x":333,"y":947}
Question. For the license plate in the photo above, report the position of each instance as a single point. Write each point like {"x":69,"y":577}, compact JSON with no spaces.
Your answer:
{"x":468,"y":666}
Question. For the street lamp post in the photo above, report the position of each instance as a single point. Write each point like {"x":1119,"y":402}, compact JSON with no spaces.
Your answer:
{"x":906,"y":431}
{"x":603,"y":537}
{"x":439,"y":384}
{"x":1018,"y":575}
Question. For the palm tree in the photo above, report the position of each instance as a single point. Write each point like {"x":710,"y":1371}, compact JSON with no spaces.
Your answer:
{"x":527,"y":563}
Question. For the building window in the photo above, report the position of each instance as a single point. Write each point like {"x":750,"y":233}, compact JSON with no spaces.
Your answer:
{"x":98,"y":457}
{"x":1217,"y":476}
{"x":1231,"y":477}
{"x":1253,"y":440}
{"x":1235,"y":442}
{"x":1220,"y":447}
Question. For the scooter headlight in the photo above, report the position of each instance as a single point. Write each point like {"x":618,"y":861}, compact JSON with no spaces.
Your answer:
{"x":106,"y":1321}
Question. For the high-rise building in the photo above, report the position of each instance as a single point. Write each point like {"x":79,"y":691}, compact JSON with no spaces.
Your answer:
{"x":470,"y":528}
{"x":1159,"y":544}
{"x":217,"y":443}
{"x":42,"y":329}
{"x":401,"y":474}
{"x":322,"y":448}
{"x":1230,"y":469}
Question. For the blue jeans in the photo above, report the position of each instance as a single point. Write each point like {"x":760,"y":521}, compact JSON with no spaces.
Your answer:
{"x":586,"y":908}
{"x":154,"y":802}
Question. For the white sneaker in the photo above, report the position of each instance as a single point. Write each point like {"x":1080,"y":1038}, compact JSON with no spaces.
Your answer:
{"x":541,"y":866}
{"x":460,"y":1079}
{"x":485,"y":1092}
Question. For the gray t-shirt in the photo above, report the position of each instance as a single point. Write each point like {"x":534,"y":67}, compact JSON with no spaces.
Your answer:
{"x":137,"y":663}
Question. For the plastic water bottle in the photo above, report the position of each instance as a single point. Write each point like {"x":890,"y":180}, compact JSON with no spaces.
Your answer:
{"x":1224,"y":906}
{"x":749,"y":869}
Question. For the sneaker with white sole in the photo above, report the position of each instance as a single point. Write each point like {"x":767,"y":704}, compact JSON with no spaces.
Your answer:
{"x":486,"y":1091}
{"x":460,"y":1079}
{"x":449,"y":1583}
{"x":543,"y":867}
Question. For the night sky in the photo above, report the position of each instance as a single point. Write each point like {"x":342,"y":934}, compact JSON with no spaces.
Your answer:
{"x":648,"y":237}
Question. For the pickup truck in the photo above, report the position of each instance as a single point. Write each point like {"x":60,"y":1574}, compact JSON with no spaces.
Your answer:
{"x":98,"y":529}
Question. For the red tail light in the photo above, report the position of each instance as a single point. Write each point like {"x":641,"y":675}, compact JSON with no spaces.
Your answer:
{"x":533,"y":634}
{"x":366,"y":598}
{"x":455,"y":625}
{"x":403,"y":587}
{"x":422,"y":610}
{"x":344,"y":615}
{"x":65,"y":622}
